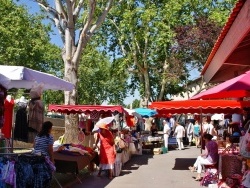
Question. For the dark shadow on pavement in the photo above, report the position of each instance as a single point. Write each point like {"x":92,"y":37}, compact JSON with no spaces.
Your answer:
{"x":136,"y":161}
{"x":91,"y":180}
{"x":125,"y":172}
{"x":183,"y":163}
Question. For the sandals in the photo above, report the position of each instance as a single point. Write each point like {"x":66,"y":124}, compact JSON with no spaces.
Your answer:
{"x":191,"y":168}
{"x":198,"y":179}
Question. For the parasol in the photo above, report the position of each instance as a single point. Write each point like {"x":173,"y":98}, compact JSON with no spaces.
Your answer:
{"x":132,"y":112}
{"x":100,"y":122}
{"x":145,"y":112}
{"x":237,"y":87}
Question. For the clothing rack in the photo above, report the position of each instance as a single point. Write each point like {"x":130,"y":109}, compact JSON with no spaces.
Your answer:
{"x":11,"y":149}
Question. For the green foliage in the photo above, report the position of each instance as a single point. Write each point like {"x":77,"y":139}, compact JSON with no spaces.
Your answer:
{"x":142,"y":34}
{"x":100,"y":81}
{"x":136,"y":104}
{"x":24,"y":40}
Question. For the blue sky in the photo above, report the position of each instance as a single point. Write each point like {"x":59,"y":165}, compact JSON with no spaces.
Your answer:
{"x":34,"y":8}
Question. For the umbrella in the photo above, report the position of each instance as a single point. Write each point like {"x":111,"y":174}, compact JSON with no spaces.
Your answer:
{"x":106,"y":120}
{"x":132,"y":112}
{"x":234,"y":88}
{"x":22,"y":77}
{"x":145,"y":112}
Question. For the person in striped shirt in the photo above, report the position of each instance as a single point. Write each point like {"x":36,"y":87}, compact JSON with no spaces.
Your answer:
{"x":44,"y":141}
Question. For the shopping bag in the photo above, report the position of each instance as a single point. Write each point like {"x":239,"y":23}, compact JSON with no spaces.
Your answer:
{"x":164,"y":150}
{"x":245,"y":145}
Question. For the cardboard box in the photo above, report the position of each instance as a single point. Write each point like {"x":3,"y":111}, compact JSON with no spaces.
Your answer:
{"x":157,"y":151}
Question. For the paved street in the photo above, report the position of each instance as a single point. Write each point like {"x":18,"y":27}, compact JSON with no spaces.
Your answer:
{"x":150,"y":171}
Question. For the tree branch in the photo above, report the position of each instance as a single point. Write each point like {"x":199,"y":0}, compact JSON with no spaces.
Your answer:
{"x":119,"y":40}
{"x":102,"y":17}
{"x":85,"y":35}
{"x":78,"y":10}
{"x":60,"y":9}
{"x":55,"y":17}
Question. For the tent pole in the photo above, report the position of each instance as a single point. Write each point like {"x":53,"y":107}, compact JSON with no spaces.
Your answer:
{"x":201,"y":129}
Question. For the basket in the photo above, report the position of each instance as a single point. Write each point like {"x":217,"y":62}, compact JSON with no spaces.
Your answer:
{"x":230,"y":164}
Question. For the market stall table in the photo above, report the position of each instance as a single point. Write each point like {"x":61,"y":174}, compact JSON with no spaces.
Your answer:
{"x":66,"y":163}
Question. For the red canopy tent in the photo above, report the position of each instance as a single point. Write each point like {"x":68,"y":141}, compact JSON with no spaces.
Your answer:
{"x":67,"y":109}
{"x":199,"y":106}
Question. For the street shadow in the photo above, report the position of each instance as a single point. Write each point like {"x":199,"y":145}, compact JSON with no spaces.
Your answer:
{"x":125,"y":172}
{"x":136,"y":161}
{"x":183,"y":163}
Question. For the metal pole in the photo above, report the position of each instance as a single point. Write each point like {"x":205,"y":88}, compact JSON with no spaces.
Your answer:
{"x":201,"y":129}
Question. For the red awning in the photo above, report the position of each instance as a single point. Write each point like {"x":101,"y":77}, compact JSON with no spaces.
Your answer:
{"x":67,"y":109}
{"x":199,"y":106}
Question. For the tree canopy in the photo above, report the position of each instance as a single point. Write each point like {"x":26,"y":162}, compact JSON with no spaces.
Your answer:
{"x":24,"y":39}
{"x":144,"y":36}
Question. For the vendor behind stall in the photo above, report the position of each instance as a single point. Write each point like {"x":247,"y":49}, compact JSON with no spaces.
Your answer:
{"x":154,"y":129}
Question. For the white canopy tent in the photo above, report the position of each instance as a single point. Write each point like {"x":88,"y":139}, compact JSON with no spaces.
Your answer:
{"x":22,"y":77}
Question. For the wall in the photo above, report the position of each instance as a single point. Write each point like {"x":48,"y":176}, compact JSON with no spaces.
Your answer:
{"x":193,"y":88}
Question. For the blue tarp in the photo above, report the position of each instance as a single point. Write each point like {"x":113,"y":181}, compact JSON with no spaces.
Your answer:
{"x":145,"y":112}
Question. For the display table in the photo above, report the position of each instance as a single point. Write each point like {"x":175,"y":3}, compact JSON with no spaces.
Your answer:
{"x":66,"y":163}
{"x":229,"y":162}
{"x":71,"y":163}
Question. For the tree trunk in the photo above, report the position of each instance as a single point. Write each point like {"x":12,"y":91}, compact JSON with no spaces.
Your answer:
{"x":71,"y":120}
{"x":162,"y":91}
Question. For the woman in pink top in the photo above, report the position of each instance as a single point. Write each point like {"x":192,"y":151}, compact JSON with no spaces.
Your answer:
{"x":209,"y":157}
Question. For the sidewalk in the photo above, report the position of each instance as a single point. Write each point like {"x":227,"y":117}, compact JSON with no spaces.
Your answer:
{"x":147,"y":171}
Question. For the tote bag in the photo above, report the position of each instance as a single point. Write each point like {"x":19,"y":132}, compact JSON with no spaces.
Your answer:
{"x":245,"y":145}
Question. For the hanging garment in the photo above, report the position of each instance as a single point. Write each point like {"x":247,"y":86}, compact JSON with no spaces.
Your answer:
{"x":36,"y":117}
{"x":95,"y":115}
{"x":2,"y":98}
{"x":21,"y":123}
{"x":130,"y":120}
{"x":8,"y":113}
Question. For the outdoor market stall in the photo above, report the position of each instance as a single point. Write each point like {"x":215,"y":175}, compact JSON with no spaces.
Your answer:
{"x":25,"y":78}
{"x":72,"y":162}
{"x":95,"y":112}
{"x":229,"y":165}
{"x":230,"y":56}
{"x":22,"y":77}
